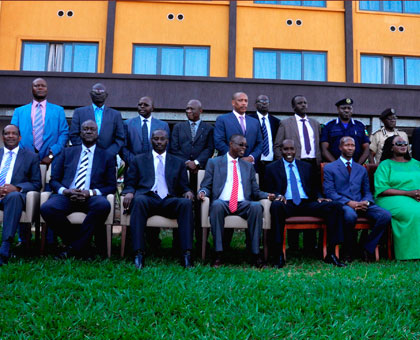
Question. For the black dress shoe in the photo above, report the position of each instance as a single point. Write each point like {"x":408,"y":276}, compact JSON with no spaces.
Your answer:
{"x":367,"y":256}
{"x":65,"y":254}
{"x":3,"y":260}
{"x":281,"y":262}
{"x":139,"y":260}
{"x":257,"y":261}
{"x":218,"y":261}
{"x":186,"y":260}
{"x":332,"y":259}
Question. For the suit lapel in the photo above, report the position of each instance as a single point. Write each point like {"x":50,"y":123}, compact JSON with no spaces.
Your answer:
{"x":187,"y":130}
{"x":244,"y":176}
{"x":1,"y":154}
{"x":105,"y":120}
{"x":221,"y":175}
{"x":18,"y":163}
{"x":137,"y":126}
{"x":77,"y":150}
{"x":295,"y":130}
{"x":342,"y":168}
{"x":48,"y":119}
{"x":199,"y":131}
{"x":236,"y":123}
{"x":95,"y":163}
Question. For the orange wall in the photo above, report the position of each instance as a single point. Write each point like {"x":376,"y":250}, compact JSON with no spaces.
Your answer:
{"x":204,"y":24}
{"x":264,"y":26}
{"x":373,"y":36}
{"x":38,"y":20}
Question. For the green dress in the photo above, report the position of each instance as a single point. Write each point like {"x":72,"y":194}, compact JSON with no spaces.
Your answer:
{"x":405,"y":210}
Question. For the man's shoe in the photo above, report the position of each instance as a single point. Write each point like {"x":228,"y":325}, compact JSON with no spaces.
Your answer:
{"x":367,"y":256}
{"x":186,"y":260}
{"x":257,"y":261}
{"x":3,"y":260}
{"x":332,"y":259}
{"x":218,"y":261}
{"x":139,"y":260}
{"x":281,"y":262}
{"x":65,"y":254}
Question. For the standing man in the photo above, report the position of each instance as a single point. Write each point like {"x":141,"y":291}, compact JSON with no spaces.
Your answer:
{"x":232,"y":192}
{"x":347,"y":182}
{"x":42,"y":125}
{"x":19,"y":173}
{"x":295,"y":185}
{"x":157,"y":184}
{"x":269,"y":126}
{"x":81,"y":178}
{"x":344,"y":125}
{"x":139,"y":130}
{"x":109,"y":121}
{"x":389,"y":119}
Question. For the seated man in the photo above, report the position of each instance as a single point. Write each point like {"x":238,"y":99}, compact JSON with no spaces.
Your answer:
{"x":81,"y":178}
{"x":347,"y":182}
{"x":156,"y":183}
{"x":295,"y":185}
{"x":232,"y":193}
{"x":19,"y":173}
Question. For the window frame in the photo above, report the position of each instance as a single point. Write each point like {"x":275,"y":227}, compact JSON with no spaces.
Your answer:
{"x":302,"y":4}
{"x":381,"y":8}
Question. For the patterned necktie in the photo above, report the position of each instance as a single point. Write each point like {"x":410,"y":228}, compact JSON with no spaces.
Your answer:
{"x":145,"y":135}
{"x":242,"y":121}
{"x":5,"y":169}
{"x":233,"y":202}
{"x":98,"y":118}
{"x":266,"y":149}
{"x":348,"y":167}
{"x":193,"y":124}
{"x":81,"y":175}
{"x":306,"y":137}
{"x":293,"y":183}
{"x":162,"y":188}
{"x":38,"y":128}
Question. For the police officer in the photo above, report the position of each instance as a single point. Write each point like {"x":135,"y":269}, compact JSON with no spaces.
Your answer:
{"x":344,"y":125}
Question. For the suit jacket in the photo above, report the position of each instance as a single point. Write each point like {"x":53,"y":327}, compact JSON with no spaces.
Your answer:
{"x":276,"y":178}
{"x":216,"y":175}
{"x":184,"y":147}
{"x":134,"y":138}
{"x":416,"y":144}
{"x":140,"y":176}
{"x":56,"y":129}
{"x":274,"y":124}
{"x":103,"y":176}
{"x":342,"y":187}
{"x":227,"y":125}
{"x":111,"y":136}
{"x":26,"y":172}
{"x":288,"y":129}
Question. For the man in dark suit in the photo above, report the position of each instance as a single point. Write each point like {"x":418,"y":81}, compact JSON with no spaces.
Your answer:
{"x":416,"y":143}
{"x":295,"y":185}
{"x":109,"y":121}
{"x":232,"y":193}
{"x":269,"y":126}
{"x":347,"y":182}
{"x":19,"y":173}
{"x":156,"y":183}
{"x":81,"y":178}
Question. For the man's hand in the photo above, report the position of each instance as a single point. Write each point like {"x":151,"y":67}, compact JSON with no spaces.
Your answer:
{"x":271,"y":197}
{"x":201,"y":195}
{"x":46,"y":160}
{"x":281,"y":198}
{"x":127,"y":200}
{"x":191,"y":166}
{"x":358,"y":206}
{"x":249,"y":159}
{"x":7,"y":189}
{"x":321,"y":199}
{"x":77,"y":194}
{"x":189,"y":195}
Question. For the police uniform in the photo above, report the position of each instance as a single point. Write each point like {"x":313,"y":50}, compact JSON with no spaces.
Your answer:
{"x":378,"y":139}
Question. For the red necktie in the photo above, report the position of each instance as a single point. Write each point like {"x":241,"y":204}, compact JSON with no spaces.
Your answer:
{"x":233,"y":202}
{"x":348,"y":167}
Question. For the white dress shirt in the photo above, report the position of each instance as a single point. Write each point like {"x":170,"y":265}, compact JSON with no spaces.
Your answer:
{"x":303,"y":153}
{"x":270,"y":156}
{"x":227,"y":189}
{"x":12,"y":163}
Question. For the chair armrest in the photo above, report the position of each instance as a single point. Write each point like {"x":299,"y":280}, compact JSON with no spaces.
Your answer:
{"x":125,"y":218}
{"x":266,"y":203}
{"x":205,"y":207}
{"x":45,"y":196}
{"x":32,"y":205}
{"x":110,"y":219}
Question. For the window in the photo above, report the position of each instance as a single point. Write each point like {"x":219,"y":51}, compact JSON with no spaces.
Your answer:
{"x":59,"y":57}
{"x":294,"y":3}
{"x":391,"y":6}
{"x":290,"y":65}
{"x":390,"y":70}
{"x":171,"y":60}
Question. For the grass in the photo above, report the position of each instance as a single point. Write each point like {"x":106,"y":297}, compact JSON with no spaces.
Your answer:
{"x":43,"y":298}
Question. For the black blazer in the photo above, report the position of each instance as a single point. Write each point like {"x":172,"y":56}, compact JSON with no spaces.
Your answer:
{"x":140,"y":176}
{"x":26,"y":173}
{"x":103,"y":175}
{"x":201,"y":148}
{"x":274,"y":124}
{"x":416,"y":144}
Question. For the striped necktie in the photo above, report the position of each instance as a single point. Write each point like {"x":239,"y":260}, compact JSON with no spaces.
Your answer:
{"x":5,"y":168}
{"x":38,"y":129}
{"x":266,"y":149}
{"x":145,"y":137}
{"x":233,"y":202}
{"x":81,"y":176}
{"x":193,"y":124}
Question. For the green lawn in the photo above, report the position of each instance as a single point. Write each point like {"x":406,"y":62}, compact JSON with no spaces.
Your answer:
{"x":43,"y":298}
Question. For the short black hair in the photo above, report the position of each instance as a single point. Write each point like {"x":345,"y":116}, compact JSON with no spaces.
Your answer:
{"x":17,"y":127}
{"x":294,"y":97}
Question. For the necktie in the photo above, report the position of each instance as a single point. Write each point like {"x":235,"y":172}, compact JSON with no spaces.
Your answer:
{"x":293,"y":183}
{"x":233,"y":202}
{"x":193,"y":124}
{"x":242,"y":121}
{"x":145,"y":135}
{"x":266,"y":149}
{"x":5,"y":169}
{"x":306,"y":137}
{"x":81,"y":175}
{"x":348,"y":167}
{"x":162,"y":188}
{"x":38,"y":128}
{"x":98,"y":118}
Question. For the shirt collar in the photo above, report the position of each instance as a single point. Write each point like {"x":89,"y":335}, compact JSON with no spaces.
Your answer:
{"x":338,"y":121}
{"x":43,"y":103}
{"x":155,"y":154}
{"x":97,"y":107}
{"x":91,"y":149}
{"x":345,"y":161}
{"x":261,"y":116}
{"x":15,"y":150}
{"x":230,"y":159}
{"x":197,"y":123}
{"x":149,"y":120}
{"x":238,"y":115}
{"x":298,"y":118}
{"x":286,"y":163}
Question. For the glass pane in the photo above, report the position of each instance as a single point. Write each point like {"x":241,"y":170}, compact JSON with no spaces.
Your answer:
{"x":314,"y":66}
{"x":84,"y":58}
{"x":412,"y":6}
{"x":413,"y":71}
{"x":392,"y":6}
{"x":172,"y":61}
{"x":398,"y":70}
{"x":369,"y":5}
{"x":290,"y":65}
{"x":314,"y":3}
{"x":291,"y":3}
{"x":386,"y":70}
{"x":266,"y":2}
{"x":371,"y":69}
{"x":34,"y":56}
{"x":145,"y":60}
{"x":196,"y":61}
{"x":265,"y":65}
{"x":68,"y":57}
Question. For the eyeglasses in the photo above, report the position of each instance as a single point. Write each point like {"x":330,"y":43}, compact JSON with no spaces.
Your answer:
{"x":400,"y":144}
{"x":263,"y":101}
{"x":98,"y":91}
{"x":242,"y":145}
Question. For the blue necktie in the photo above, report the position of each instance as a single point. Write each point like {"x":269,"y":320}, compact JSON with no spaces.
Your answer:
{"x":145,"y":135}
{"x":98,"y":118}
{"x":81,"y":176}
{"x":5,"y":169}
{"x":266,"y":149}
{"x":38,"y":128}
{"x":293,"y":183}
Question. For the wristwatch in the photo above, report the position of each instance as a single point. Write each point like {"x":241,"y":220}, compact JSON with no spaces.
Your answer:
{"x":50,"y":156}
{"x":368,"y":203}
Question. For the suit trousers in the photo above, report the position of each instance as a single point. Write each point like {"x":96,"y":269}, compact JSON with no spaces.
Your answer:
{"x":12,"y":205}
{"x":145,"y":205}
{"x":249,"y":210}
{"x":58,"y":207}
{"x":330,"y":211}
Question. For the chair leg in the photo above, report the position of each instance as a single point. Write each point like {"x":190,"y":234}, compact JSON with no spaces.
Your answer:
{"x":43,"y":238}
{"x":284,"y":242}
{"x":108,"y":239}
{"x":28,"y":236}
{"x":37,"y":232}
{"x":324,"y":241}
{"x":390,"y":242}
{"x":377,"y":253}
{"x":265,"y":244}
{"x":123,"y":237}
{"x":204,"y":243}
{"x":337,"y":251}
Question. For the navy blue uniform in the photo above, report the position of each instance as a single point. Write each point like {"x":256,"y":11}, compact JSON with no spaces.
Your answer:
{"x":334,"y":130}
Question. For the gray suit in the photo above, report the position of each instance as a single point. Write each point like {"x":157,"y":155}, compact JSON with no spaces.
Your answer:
{"x":213,"y":184}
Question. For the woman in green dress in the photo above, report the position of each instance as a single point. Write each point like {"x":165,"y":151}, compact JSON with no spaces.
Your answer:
{"x":397,"y":183}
